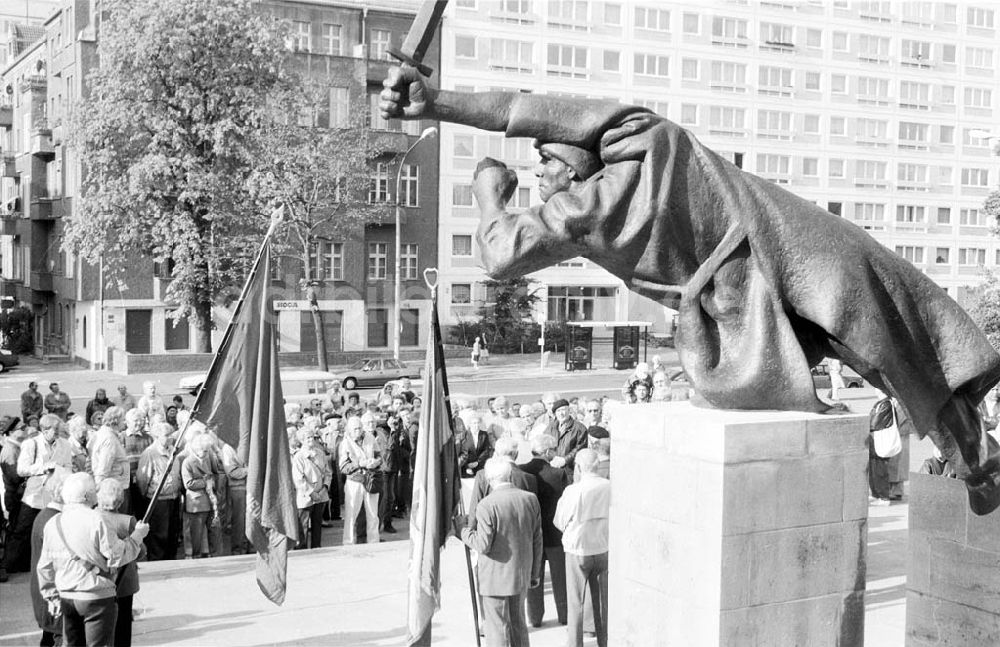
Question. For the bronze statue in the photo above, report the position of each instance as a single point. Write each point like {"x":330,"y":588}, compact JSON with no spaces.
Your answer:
{"x":766,"y":283}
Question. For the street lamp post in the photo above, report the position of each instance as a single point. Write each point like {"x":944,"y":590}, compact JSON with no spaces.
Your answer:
{"x":397,"y":306}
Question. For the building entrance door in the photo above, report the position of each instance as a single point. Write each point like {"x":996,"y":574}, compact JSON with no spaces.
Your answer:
{"x":137,"y":327}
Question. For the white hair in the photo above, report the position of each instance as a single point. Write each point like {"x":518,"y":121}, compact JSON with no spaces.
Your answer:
{"x":498,"y":470}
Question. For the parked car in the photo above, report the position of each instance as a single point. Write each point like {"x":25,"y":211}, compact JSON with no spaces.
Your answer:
{"x":375,"y":371}
{"x":821,"y":376}
{"x":8,"y":358}
{"x":297,"y":385}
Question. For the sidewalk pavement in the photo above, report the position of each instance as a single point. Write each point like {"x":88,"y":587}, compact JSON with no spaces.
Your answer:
{"x":355,"y":596}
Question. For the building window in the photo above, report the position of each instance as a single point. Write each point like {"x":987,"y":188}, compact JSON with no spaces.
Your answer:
{"x":575,"y":303}
{"x":942,"y":255}
{"x":725,"y":30}
{"x":812,"y":81}
{"x":692,"y":23}
{"x":835,"y":207}
{"x":689,"y":69}
{"x":463,"y":146}
{"x":978,"y":97}
{"x":332,"y":43}
{"x":810,"y":124}
{"x":465,"y":46}
{"x":814,"y":38}
{"x":972,"y":217}
{"x":872,"y":129}
{"x":873,"y":49}
{"x":378,"y":328}
{"x":176,"y":337}
{"x":461,"y":245}
{"x":872,"y":212}
{"x":971,"y":256}
{"x":729,"y":77}
{"x":775,"y":81}
{"x":914,"y":95}
{"x":381,"y":41}
{"x":567,"y":61}
{"x":944,"y":215}
{"x":838,"y":126}
{"x":612,"y":13}
{"x":568,"y":13}
{"x":979,"y":57}
{"x":659,"y":107}
{"x":781,"y":36}
{"x":461,"y":195}
{"x":912,"y":173}
{"x":461,"y":293}
{"x":948,"y":54}
{"x":868,"y":171}
{"x":768,"y":164}
{"x":838,"y":84}
{"x":836,"y":168}
{"x":511,"y":56}
{"x":378,"y":261}
{"x":915,"y":52}
{"x":652,"y":19}
{"x":689,"y":114}
{"x":612,"y":60}
{"x":301,"y":36}
{"x":839,"y":41}
{"x":652,"y":65}
{"x":975,"y":177}
{"x":873,"y":90}
{"x":913,"y":135}
{"x":979,"y":17}
{"x":911,"y":253}
{"x":340,"y":107}
{"x":909,"y":213}
{"x":945,"y":175}
{"x":726,"y":120}
{"x":410,"y":185}
{"x":774,"y":124}
{"x":326,"y":260}
{"x":378,"y":192}
{"x":408,"y":261}
{"x":947,"y":135}
{"x":810,"y":166}
{"x":948,"y":95}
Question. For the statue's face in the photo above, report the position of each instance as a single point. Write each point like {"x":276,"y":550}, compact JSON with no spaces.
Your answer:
{"x":553,"y":176}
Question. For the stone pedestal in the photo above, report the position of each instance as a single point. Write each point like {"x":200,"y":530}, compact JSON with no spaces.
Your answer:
{"x":953,"y":568}
{"x":737,"y":527}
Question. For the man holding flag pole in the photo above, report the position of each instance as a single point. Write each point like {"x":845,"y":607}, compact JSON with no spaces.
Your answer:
{"x":242,"y":397}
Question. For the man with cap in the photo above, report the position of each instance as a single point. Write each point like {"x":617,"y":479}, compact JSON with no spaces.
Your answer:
{"x":569,"y":433}
{"x":599,"y":440}
{"x":766,"y":282}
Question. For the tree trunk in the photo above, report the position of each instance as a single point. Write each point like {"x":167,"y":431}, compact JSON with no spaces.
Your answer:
{"x":317,"y":318}
{"x":203,"y":327}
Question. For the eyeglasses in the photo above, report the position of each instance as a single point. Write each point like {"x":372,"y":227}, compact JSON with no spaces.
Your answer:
{"x":593,"y":410}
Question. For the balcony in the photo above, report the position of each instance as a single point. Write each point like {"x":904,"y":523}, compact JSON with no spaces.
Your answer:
{"x":8,"y":165}
{"x":8,"y":226}
{"x":41,"y":143}
{"x":6,"y":116}
{"x":41,"y":281}
{"x":41,"y":209}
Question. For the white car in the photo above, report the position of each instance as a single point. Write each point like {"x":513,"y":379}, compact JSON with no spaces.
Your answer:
{"x":297,"y":385}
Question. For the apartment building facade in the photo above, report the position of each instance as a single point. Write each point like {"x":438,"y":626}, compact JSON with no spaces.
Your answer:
{"x":881,"y":112}
{"x":127,"y":326}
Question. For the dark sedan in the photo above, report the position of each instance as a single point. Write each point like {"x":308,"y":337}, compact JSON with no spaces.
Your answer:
{"x":8,"y":359}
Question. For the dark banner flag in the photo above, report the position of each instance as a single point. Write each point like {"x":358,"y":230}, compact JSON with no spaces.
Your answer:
{"x":242,"y":397}
{"x":436,"y":491}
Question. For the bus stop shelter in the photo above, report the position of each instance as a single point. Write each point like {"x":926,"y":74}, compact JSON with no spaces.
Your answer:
{"x":617,"y":340}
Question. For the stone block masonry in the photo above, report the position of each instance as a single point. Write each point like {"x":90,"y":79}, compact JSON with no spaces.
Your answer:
{"x":953,"y":568}
{"x":737,"y":527}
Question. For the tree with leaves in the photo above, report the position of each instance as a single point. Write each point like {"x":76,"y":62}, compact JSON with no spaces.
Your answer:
{"x":507,"y":322}
{"x":169,"y":136}
{"x":318,"y":166}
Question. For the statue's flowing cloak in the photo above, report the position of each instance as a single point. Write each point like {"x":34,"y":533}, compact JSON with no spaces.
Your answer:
{"x":766,"y":283}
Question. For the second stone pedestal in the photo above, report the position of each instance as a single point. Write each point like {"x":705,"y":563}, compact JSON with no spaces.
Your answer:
{"x":737,"y":527}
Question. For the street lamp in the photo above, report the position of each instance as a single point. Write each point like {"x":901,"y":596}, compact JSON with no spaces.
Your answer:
{"x":396,"y":308}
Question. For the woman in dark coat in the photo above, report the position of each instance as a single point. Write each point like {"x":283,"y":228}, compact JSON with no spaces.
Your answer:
{"x":50,"y":626}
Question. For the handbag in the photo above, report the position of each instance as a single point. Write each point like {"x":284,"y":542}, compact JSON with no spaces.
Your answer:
{"x":886,"y":441}
{"x":372,"y":481}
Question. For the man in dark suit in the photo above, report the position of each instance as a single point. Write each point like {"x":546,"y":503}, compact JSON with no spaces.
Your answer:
{"x":506,"y":448}
{"x":551,"y":483}
{"x":508,"y":538}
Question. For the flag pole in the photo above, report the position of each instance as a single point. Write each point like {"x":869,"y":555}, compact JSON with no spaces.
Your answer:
{"x":461,"y":501}
{"x":276,"y":216}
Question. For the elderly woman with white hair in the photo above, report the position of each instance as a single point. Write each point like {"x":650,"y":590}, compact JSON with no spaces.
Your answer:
{"x":200,"y":502}
{"x":311,"y":475}
{"x":360,"y":462}
{"x":76,"y":569}
{"x":78,"y":432}
{"x":107,"y":453}
{"x":109,"y":498}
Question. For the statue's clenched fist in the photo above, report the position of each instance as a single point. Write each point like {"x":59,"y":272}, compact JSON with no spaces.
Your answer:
{"x":493,"y":183}
{"x":405,"y":94}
